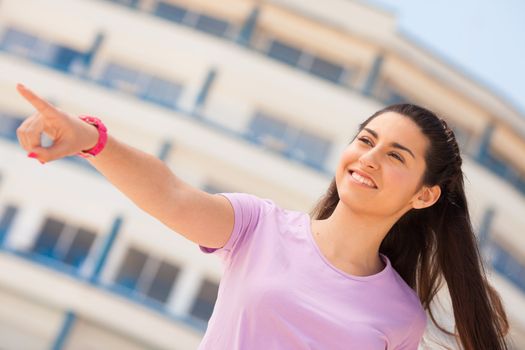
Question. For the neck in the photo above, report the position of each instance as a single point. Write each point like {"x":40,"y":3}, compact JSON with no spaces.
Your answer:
{"x":351,"y":240}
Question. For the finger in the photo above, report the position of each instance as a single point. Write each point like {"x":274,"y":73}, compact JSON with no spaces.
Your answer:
{"x":21,"y":133}
{"x":33,"y":132}
{"x":54,"y":152}
{"x":40,"y":104}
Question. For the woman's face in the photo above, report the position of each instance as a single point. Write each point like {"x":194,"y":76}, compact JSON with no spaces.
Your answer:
{"x":390,"y":152}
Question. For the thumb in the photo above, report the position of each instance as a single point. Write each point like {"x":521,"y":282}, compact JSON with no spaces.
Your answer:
{"x":48,"y":154}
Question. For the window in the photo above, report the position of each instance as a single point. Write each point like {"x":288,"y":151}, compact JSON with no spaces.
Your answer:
{"x":18,"y":42}
{"x":268,"y":131}
{"x":8,"y":126}
{"x":284,"y":53}
{"x":130,"y":3}
{"x":122,"y":78}
{"x":503,"y":169}
{"x":146,"y":276}
{"x":205,"y":23}
{"x":213,"y":188}
{"x":162,"y":92}
{"x":310,"y":149}
{"x":463,"y":135}
{"x":65,"y":243}
{"x":131,"y":269}
{"x":389,"y":94}
{"x":289,"y":140}
{"x":79,"y":247}
{"x":40,"y":50}
{"x":160,"y":287}
{"x":170,"y":12}
{"x":212,"y":25}
{"x":315,"y":65}
{"x":506,"y":264}
{"x":204,"y":303}
{"x":65,"y":57}
{"x":6,"y":220}
{"x":326,"y":70}
{"x":141,"y":84}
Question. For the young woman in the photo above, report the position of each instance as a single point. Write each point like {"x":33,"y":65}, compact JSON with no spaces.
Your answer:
{"x":359,"y":272}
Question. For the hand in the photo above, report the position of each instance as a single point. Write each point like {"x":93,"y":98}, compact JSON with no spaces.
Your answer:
{"x":70,"y":135}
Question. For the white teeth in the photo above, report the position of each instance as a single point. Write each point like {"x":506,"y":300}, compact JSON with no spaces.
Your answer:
{"x":362,"y":179}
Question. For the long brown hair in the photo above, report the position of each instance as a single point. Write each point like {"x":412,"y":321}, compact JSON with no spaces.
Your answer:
{"x":428,"y":244}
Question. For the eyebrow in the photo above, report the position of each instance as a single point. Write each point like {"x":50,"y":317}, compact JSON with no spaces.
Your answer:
{"x":393,"y":144}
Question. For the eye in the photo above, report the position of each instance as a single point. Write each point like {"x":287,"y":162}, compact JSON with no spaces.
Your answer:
{"x":397,"y":156}
{"x":365,"y":140}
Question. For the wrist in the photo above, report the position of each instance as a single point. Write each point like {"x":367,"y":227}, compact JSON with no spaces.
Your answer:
{"x":92,"y":135}
{"x":101,"y":137}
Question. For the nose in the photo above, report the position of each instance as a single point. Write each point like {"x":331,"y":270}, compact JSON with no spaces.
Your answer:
{"x":368,"y":160}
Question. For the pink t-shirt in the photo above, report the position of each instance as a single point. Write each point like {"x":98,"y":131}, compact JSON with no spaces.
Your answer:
{"x":278,"y":291}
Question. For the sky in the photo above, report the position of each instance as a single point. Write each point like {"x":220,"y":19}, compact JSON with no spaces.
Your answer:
{"x":485,"y":39}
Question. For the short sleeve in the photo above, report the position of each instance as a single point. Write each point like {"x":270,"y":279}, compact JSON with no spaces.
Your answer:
{"x":415,"y":335}
{"x":248,"y":211}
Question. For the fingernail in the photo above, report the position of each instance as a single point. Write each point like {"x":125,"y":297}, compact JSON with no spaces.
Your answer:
{"x":32,"y":155}
{"x":41,"y":162}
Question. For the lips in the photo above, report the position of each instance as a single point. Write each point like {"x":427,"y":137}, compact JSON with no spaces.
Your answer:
{"x":364,"y":175}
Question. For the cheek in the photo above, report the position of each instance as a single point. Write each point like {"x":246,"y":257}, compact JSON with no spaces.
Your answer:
{"x":349,"y":155}
{"x":401,"y":182}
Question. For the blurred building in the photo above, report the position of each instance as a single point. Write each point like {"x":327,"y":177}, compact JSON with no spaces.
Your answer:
{"x":235,"y":96}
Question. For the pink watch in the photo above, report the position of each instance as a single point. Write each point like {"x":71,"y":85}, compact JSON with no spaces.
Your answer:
{"x":102,"y":137}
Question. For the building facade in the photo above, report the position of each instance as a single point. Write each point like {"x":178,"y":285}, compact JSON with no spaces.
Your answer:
{"x":234,"y":96}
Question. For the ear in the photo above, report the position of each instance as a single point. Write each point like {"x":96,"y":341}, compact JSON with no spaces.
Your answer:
{"x":426,"y":197}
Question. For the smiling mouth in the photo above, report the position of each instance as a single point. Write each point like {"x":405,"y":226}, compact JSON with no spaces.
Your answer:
{"x":361,"y":179}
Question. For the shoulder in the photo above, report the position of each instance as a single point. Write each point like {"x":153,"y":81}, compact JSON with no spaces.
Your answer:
{"x":410,"y":314}
{"x":249,"y":203}
{"x":408,"y":297}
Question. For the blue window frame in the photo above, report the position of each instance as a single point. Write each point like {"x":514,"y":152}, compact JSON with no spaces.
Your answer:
{"x":284,"y":52}
{"x":171,"y":12}
{"x":65,"y":243}
{"x":204,"y":303}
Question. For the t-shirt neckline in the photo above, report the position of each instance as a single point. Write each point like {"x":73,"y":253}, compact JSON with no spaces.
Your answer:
{"x":385,"y":259}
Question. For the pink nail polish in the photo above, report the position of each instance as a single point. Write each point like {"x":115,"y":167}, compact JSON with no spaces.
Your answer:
{"x":32,"y":155}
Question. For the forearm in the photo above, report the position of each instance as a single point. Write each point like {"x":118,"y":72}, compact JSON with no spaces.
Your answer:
{"x":143,"y":178}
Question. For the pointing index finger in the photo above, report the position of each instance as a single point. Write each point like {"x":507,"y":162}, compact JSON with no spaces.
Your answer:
{"x":40,"y":104}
